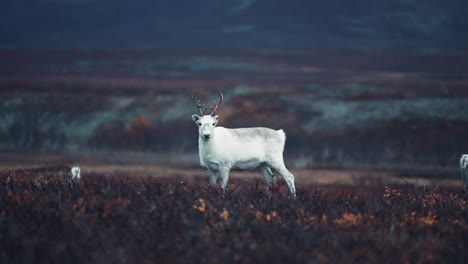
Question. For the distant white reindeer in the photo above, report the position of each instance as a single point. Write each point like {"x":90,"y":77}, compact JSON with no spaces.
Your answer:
{"x":55,"y":170}
{"x":464,"y":170}
{"x":222,"y":149}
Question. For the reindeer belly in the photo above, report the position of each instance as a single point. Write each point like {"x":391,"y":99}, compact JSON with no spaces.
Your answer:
{"x":247,"y":156}
{"x":247,"y":164}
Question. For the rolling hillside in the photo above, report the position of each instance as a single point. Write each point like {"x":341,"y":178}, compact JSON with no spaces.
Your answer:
{"x":339,"y":108}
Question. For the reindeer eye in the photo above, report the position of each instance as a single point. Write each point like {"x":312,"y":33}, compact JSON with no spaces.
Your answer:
{"x":214,"y":124}
{"x":199,"y":124}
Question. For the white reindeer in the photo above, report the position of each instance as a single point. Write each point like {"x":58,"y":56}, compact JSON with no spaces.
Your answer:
{"x":464,"y":170}
{"x":55,"y":170}
{"x":222,"y":149}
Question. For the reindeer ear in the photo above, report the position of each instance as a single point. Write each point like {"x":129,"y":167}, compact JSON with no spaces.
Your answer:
{"x":216,"y":118}
{"x":195,"y":118}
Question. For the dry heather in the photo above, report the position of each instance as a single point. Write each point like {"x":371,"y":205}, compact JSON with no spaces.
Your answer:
{"x":103,"y":219}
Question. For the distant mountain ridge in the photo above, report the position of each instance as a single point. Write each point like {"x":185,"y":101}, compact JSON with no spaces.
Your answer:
{"x":353,"y":24}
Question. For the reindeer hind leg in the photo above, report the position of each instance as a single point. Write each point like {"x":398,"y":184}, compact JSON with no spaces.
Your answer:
{"x":286,"y":175}
{"x":269,"y":177}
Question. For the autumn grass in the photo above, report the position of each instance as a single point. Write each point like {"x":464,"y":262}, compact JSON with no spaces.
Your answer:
{"x":120,"y":219}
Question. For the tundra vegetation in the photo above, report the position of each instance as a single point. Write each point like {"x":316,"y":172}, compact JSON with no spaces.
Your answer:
{"x":125,"y":219}
{"x":340,"y":109}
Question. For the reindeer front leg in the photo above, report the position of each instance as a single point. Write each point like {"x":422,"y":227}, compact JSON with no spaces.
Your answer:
{"x":224,"y":178}
{"x":213,"y":177}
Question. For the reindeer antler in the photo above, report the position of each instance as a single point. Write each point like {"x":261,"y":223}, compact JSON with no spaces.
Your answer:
{"x":198,"y":104}
{"x":213,"y":108}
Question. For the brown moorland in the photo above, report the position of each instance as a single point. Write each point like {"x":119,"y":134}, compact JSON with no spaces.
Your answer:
{"x":123,"y":219}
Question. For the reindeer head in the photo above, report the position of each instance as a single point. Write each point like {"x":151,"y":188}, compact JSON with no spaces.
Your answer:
{"x":206,"y":122}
